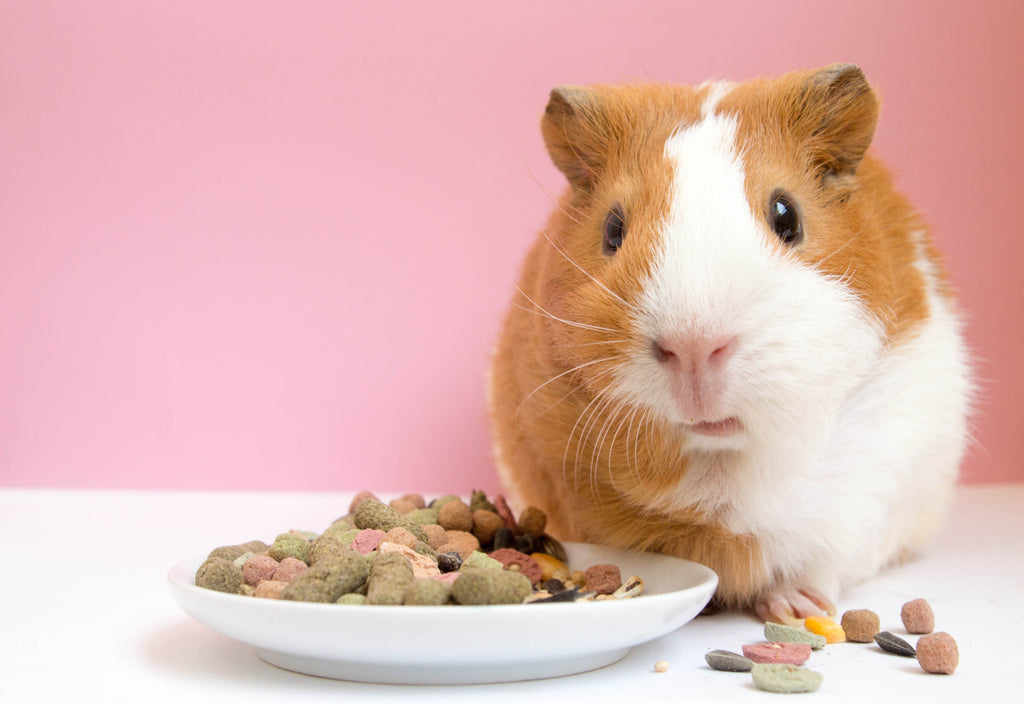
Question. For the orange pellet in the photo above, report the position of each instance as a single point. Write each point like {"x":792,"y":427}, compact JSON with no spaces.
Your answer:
{"x":550,"y":567}
{"x":824,"y":626}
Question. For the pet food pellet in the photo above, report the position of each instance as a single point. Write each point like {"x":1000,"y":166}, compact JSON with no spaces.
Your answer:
{"x":603,"y":579}
{"x":329,"y":578}
{"x":824,"y":626}
{"x":860,"y":625}
{"x":661,"y":666}
{"x":728,"y":661}
{"x":553,"y":586}
{"x":449,"y":561}
{"x":359,"y":498}
{"x":483,"y":586}
{"x":220,"y":575}
{"x":437,"y":535}
{"x":366,"y":541}
{"x":233,"y":552}
{"x":269,"y":589}
{"x":894,"y":644}
{"x":503,"y":538}
{"x":373,"y":514}
{"x":422,"y":565}
{"x":479,"y":559}
{"x":416,"y":500}
{"x":785,"y":679}
{"x":937,"y":653}
{"x":778,"y":633}
{"x":323,"y":546}
{"x":485,"y":525}
{"x":502,"y":509}
{"x":455,"y":515}
{"x":532,"y":520}
{"x":403,"y":506}
{"x":424,"y":549}
{"x":550,"y":567}
{"x":427,"y":592}
{"x":526,"y":543}
{"x":424,"y":516}
{"x":478,"y":501}
{"x":461,"y":542}
{"x":290,"y":545}
{"x":526,"y":564}
{"x":400,"y":535}
{"x":918,"y":617}
{"x":353,"y":598}
{"x":440,"y":501}
{"x":786,"y":653}
{"x":259,"y":568}
{"x":390,"y":577}
{"x":288,"y":569}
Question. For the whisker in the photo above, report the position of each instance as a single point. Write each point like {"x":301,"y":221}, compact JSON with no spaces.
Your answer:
{"x":586,"y":273}
{"x":559,"y":376}
{"x":555,"y":317}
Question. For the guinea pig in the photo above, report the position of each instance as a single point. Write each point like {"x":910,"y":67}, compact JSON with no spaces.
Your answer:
{"x":734,"y":341}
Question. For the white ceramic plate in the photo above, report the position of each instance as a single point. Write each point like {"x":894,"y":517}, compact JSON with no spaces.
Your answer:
{"x":458,"y":644}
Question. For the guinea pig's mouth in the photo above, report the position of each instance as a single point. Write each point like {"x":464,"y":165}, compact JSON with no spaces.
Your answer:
{"x":716,"y":429}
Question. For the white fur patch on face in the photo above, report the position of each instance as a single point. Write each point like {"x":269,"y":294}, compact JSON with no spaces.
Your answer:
{"x":803,"y":341}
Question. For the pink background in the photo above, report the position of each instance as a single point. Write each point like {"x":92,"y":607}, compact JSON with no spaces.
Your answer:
{"x":264,"y":245}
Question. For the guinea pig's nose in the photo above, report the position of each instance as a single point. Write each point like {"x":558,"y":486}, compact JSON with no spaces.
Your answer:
{"x":694,"y":354}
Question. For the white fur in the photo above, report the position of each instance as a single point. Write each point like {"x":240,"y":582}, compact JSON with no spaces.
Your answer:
{"x":835,"y":424}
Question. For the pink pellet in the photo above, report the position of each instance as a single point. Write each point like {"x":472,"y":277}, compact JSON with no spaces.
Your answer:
{"x":784,"y":653}
{"x":422,"y":565}
{"x":259,"y":568}
{"x":289,"y":568}
{"x":366,"y":541}
{"x":527,"y":565}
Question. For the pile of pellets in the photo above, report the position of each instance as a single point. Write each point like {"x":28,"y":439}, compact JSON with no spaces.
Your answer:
{"x":406,"y":552}
{"x":776,"y":665}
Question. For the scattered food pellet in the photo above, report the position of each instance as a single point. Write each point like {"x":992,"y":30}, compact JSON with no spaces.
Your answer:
{"x":778,"y":633}
{"x":603,"y":579}
{"x":860,"y":625}
{"x":788,"y":653}
{"x":661,"y":666}
{"x":824,"y":626}
{"x":937,"y":653}
{"x":894,"y":644}
{"x":918,"y":617}
{"x":728,"y":661}
{"x":786,"y":679}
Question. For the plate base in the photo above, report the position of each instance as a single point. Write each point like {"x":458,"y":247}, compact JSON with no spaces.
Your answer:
{"x":442,"y":673}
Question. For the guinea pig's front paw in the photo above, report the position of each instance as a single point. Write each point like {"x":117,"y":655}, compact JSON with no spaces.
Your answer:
{"x":792,"y":605}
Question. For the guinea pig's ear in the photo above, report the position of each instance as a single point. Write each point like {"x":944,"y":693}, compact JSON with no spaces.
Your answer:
{"x":569,"y":128}
{"x":838,"y":110}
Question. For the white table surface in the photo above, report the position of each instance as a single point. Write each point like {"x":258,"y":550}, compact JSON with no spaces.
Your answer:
{"x":86,"y":612}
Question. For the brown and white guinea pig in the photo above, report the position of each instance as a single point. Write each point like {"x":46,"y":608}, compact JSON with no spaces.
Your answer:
{"x":734,"y":341}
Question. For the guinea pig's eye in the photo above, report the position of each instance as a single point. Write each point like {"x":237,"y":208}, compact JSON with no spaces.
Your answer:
{"x":784,"y":218}
{"x":614,"y":229}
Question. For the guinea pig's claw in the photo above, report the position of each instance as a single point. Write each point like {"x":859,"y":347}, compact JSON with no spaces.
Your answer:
{"x":791,"y":606}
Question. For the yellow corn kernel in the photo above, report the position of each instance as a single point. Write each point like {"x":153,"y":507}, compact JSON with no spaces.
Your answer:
{"x":824,"y":626}
{"x":550,"y":567}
